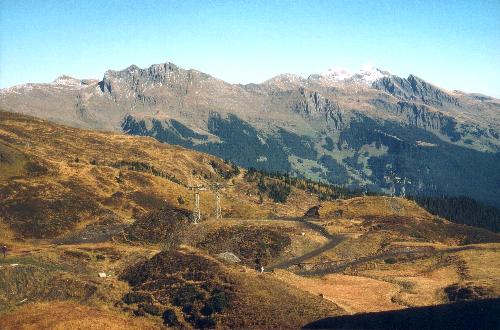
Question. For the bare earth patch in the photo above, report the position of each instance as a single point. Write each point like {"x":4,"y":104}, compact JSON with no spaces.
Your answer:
{"x":354,"y":294}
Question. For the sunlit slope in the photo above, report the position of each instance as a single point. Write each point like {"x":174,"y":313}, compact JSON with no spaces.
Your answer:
{"x":76,"y":203}
{"x":56,"y":178}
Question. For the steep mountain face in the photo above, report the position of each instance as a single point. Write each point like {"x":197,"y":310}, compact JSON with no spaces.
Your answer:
{"x":369,"y":128}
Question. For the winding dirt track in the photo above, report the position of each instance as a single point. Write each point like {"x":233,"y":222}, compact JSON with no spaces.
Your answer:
{"x":339,"y":267}
{"x":333,"y":240}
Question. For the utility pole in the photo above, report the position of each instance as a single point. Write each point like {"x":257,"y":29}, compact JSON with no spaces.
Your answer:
{"x":390,"y":177}
{"x":196,"y":208}
{"x":217,"y":187}
{"x":218,"y":209}
{"x":398,"y":180}
{"x":403,"y":189}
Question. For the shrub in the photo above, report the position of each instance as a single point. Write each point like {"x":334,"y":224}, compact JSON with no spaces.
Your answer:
{"x":170,"y":318}
{"x":218,"y":302}
{"x":150,"y":309}
{"x":35,"y":169}
{"x":205,"y":322}
{"x":166,"y":226}
{"x":390,"y":261}
{"x":187,"y":295}
{"x":137,"y":297}
{"x":279,"y":192}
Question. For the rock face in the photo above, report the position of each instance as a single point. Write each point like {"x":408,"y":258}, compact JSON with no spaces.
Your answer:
{"x":366,"y":128}
{"x":415,"y":89}
{"x":313,"y":105}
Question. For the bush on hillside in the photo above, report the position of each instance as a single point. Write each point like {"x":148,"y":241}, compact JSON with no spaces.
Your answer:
{"x":248,"y":242}
{"x":279,"y":192}
{"x":194,"y":284}
{"x":165,"y":226}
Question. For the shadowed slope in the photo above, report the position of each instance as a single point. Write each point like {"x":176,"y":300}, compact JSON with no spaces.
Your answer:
{"x":465,"y":315}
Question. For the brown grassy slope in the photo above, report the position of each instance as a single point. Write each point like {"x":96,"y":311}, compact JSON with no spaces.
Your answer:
{"x":202,"y":291}
{"x":41,"y":272}
{"x":56,"y":178}
{"x":359,"y":207}
{"x":402,"y":218}
{"x":70,"y":315}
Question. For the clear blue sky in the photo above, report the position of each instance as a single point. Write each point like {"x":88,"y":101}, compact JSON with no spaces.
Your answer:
{"x":454,"y":44}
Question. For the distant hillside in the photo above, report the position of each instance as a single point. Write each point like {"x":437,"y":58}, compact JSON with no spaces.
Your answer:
{"x":462,"y":210}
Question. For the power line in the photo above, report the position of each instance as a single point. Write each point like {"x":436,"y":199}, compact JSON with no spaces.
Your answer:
{"x":216,"y":188}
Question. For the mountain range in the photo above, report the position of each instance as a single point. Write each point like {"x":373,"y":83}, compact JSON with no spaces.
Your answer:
{"x":368,"y":129}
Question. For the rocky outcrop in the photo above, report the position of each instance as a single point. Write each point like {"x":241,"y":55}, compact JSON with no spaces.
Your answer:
{"x":314,"y":105}
{"x":415,"y":89}
{"x":133,"y":81}
{"x":421,"y":116}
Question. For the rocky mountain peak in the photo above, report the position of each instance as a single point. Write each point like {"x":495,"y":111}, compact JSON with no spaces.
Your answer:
{"x":285,"y":80}
{"x":337,"y":74}
{"x":132,"y":68}
{"x":369,"y":74}
{"x":67,"y":80}
{"x":164,"y":67}
{"x":340,"y":76}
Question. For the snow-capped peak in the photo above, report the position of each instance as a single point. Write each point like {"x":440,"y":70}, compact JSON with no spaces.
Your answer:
{"x":337,"y":74}
{"x":367,"y":75}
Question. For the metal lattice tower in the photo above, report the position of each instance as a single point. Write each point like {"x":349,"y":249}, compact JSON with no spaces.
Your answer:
{"x":196,"y":208}
{"x":392,"y":179}
{"x":403,"y":189}
{"x":218,"y":210}
{"x":217,"y":187}
{"x":196,"y":211}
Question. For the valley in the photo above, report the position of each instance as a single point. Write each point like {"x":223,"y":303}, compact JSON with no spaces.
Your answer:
{"x":99,"y":233}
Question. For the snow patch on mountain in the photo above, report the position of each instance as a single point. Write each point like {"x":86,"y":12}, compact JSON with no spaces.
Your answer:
{"x":336,"y":74}
{"x":369,"y":73}
{"x":366,"y":75}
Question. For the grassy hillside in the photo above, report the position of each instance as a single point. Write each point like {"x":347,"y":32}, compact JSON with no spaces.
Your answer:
{"x":76,"y":203}
{"x":58,"y":179}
